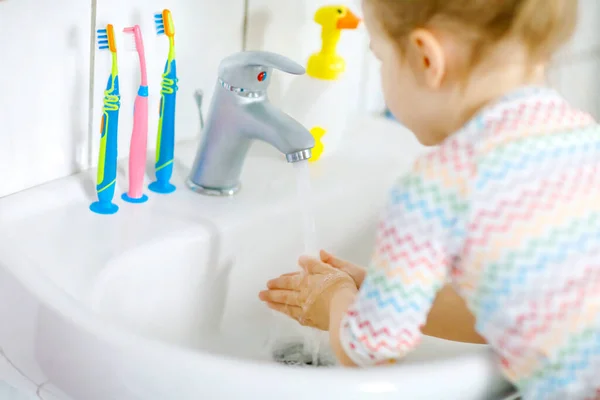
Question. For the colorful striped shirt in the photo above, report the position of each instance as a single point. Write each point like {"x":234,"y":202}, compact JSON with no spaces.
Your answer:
{"x":508,"y":210}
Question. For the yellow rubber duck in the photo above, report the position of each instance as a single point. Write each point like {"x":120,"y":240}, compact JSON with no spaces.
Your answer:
{"x":318,"y":134}
{"x":327,"y":64}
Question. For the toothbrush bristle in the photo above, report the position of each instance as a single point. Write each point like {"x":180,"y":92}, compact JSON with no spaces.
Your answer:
{"x":102,"y":38}
{"x":131,"y":44}
{"x":130,"y":35}
{"x":159,"y":22}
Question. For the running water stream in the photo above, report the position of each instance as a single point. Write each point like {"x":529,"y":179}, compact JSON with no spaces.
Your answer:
{"x":309,"y":234}
{"x":311,"y":344}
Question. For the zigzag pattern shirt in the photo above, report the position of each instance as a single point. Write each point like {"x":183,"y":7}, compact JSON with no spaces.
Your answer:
{"x":508,"y":210}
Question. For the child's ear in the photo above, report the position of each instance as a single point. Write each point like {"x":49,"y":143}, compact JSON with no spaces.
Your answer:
{"x":427,"y":58}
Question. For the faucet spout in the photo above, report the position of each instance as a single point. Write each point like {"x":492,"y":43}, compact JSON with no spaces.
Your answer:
{"x":277,"y":128}
{"x":240,"y":112}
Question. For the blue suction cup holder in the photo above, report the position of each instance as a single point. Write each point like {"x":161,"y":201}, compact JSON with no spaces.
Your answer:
{"x":162,"y":187}
{"x":133,"y":200}
{"x":105,"y":208}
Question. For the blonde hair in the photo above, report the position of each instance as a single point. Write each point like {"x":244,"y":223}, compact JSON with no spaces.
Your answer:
{"x":543,"y":26}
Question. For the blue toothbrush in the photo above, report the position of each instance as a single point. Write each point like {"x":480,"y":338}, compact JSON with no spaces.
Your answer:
{"x":107,"y":159}
{"x":165,"y":142}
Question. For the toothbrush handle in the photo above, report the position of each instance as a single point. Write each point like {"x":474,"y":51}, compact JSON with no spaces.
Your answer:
{"x":138,"y":145}
{"x":107,"y":161}
{"x":166,"y":134}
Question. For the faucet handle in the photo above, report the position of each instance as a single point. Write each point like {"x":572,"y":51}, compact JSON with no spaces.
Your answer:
{"x":251,"y":70}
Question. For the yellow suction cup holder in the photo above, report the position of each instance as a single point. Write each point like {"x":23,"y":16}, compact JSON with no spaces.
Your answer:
{"x":327,"y":64}
{"x":317,"y":151}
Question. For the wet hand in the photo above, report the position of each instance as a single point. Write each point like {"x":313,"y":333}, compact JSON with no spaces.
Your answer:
{"x":306,"y":295}
{"x":357,"y":273}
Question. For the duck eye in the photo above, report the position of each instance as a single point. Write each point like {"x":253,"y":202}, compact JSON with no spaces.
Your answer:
{"x":340,"y":11}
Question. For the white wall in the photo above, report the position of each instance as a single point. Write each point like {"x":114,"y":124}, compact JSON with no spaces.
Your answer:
{"x":44,"y":78}
{"x":49,"y":122}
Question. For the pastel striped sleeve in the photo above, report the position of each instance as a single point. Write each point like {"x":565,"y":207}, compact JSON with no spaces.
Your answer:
{"x":417,"y":240}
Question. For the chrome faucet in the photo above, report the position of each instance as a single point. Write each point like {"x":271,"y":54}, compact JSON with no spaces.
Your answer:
{"x":239,"y":113}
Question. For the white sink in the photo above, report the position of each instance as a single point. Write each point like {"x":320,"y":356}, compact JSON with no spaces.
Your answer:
{"x":160,"y":300}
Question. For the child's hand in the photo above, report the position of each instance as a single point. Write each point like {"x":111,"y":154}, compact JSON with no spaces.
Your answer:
{"x":356,"y":272}
{"x":306,"y":296}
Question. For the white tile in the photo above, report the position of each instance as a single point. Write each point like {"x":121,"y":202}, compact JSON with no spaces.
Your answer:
{"x":288,"y":28}
{"x":44,"y":76}
{"x":205,"y":32}
{"x":580,"y":84}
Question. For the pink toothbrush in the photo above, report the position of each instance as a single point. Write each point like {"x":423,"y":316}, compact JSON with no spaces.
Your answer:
{"x":139,"y":136}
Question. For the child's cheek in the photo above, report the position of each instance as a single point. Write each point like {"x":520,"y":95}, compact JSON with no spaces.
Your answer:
{"x":393,"y":92}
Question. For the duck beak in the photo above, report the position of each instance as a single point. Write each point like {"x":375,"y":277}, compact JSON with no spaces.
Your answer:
{"x":348,"y":21}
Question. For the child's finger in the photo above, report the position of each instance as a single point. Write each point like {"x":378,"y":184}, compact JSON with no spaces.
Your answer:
{"x":288,"y":297}
{"x":357,"y":273}
{"x":289,"y":282}
{"x":333,"y":261}
{"x":312,"y":265}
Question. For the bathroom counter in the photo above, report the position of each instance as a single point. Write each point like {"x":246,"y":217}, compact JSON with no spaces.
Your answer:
{"x":266,"y":178}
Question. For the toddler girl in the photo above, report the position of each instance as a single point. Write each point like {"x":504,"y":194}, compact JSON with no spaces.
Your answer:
{"x":506,"y":207}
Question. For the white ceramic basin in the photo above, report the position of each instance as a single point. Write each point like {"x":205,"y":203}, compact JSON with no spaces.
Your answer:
{"x":160,"y":300}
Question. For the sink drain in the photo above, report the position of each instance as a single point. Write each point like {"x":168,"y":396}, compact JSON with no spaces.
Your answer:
{"x":294,"y":354}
